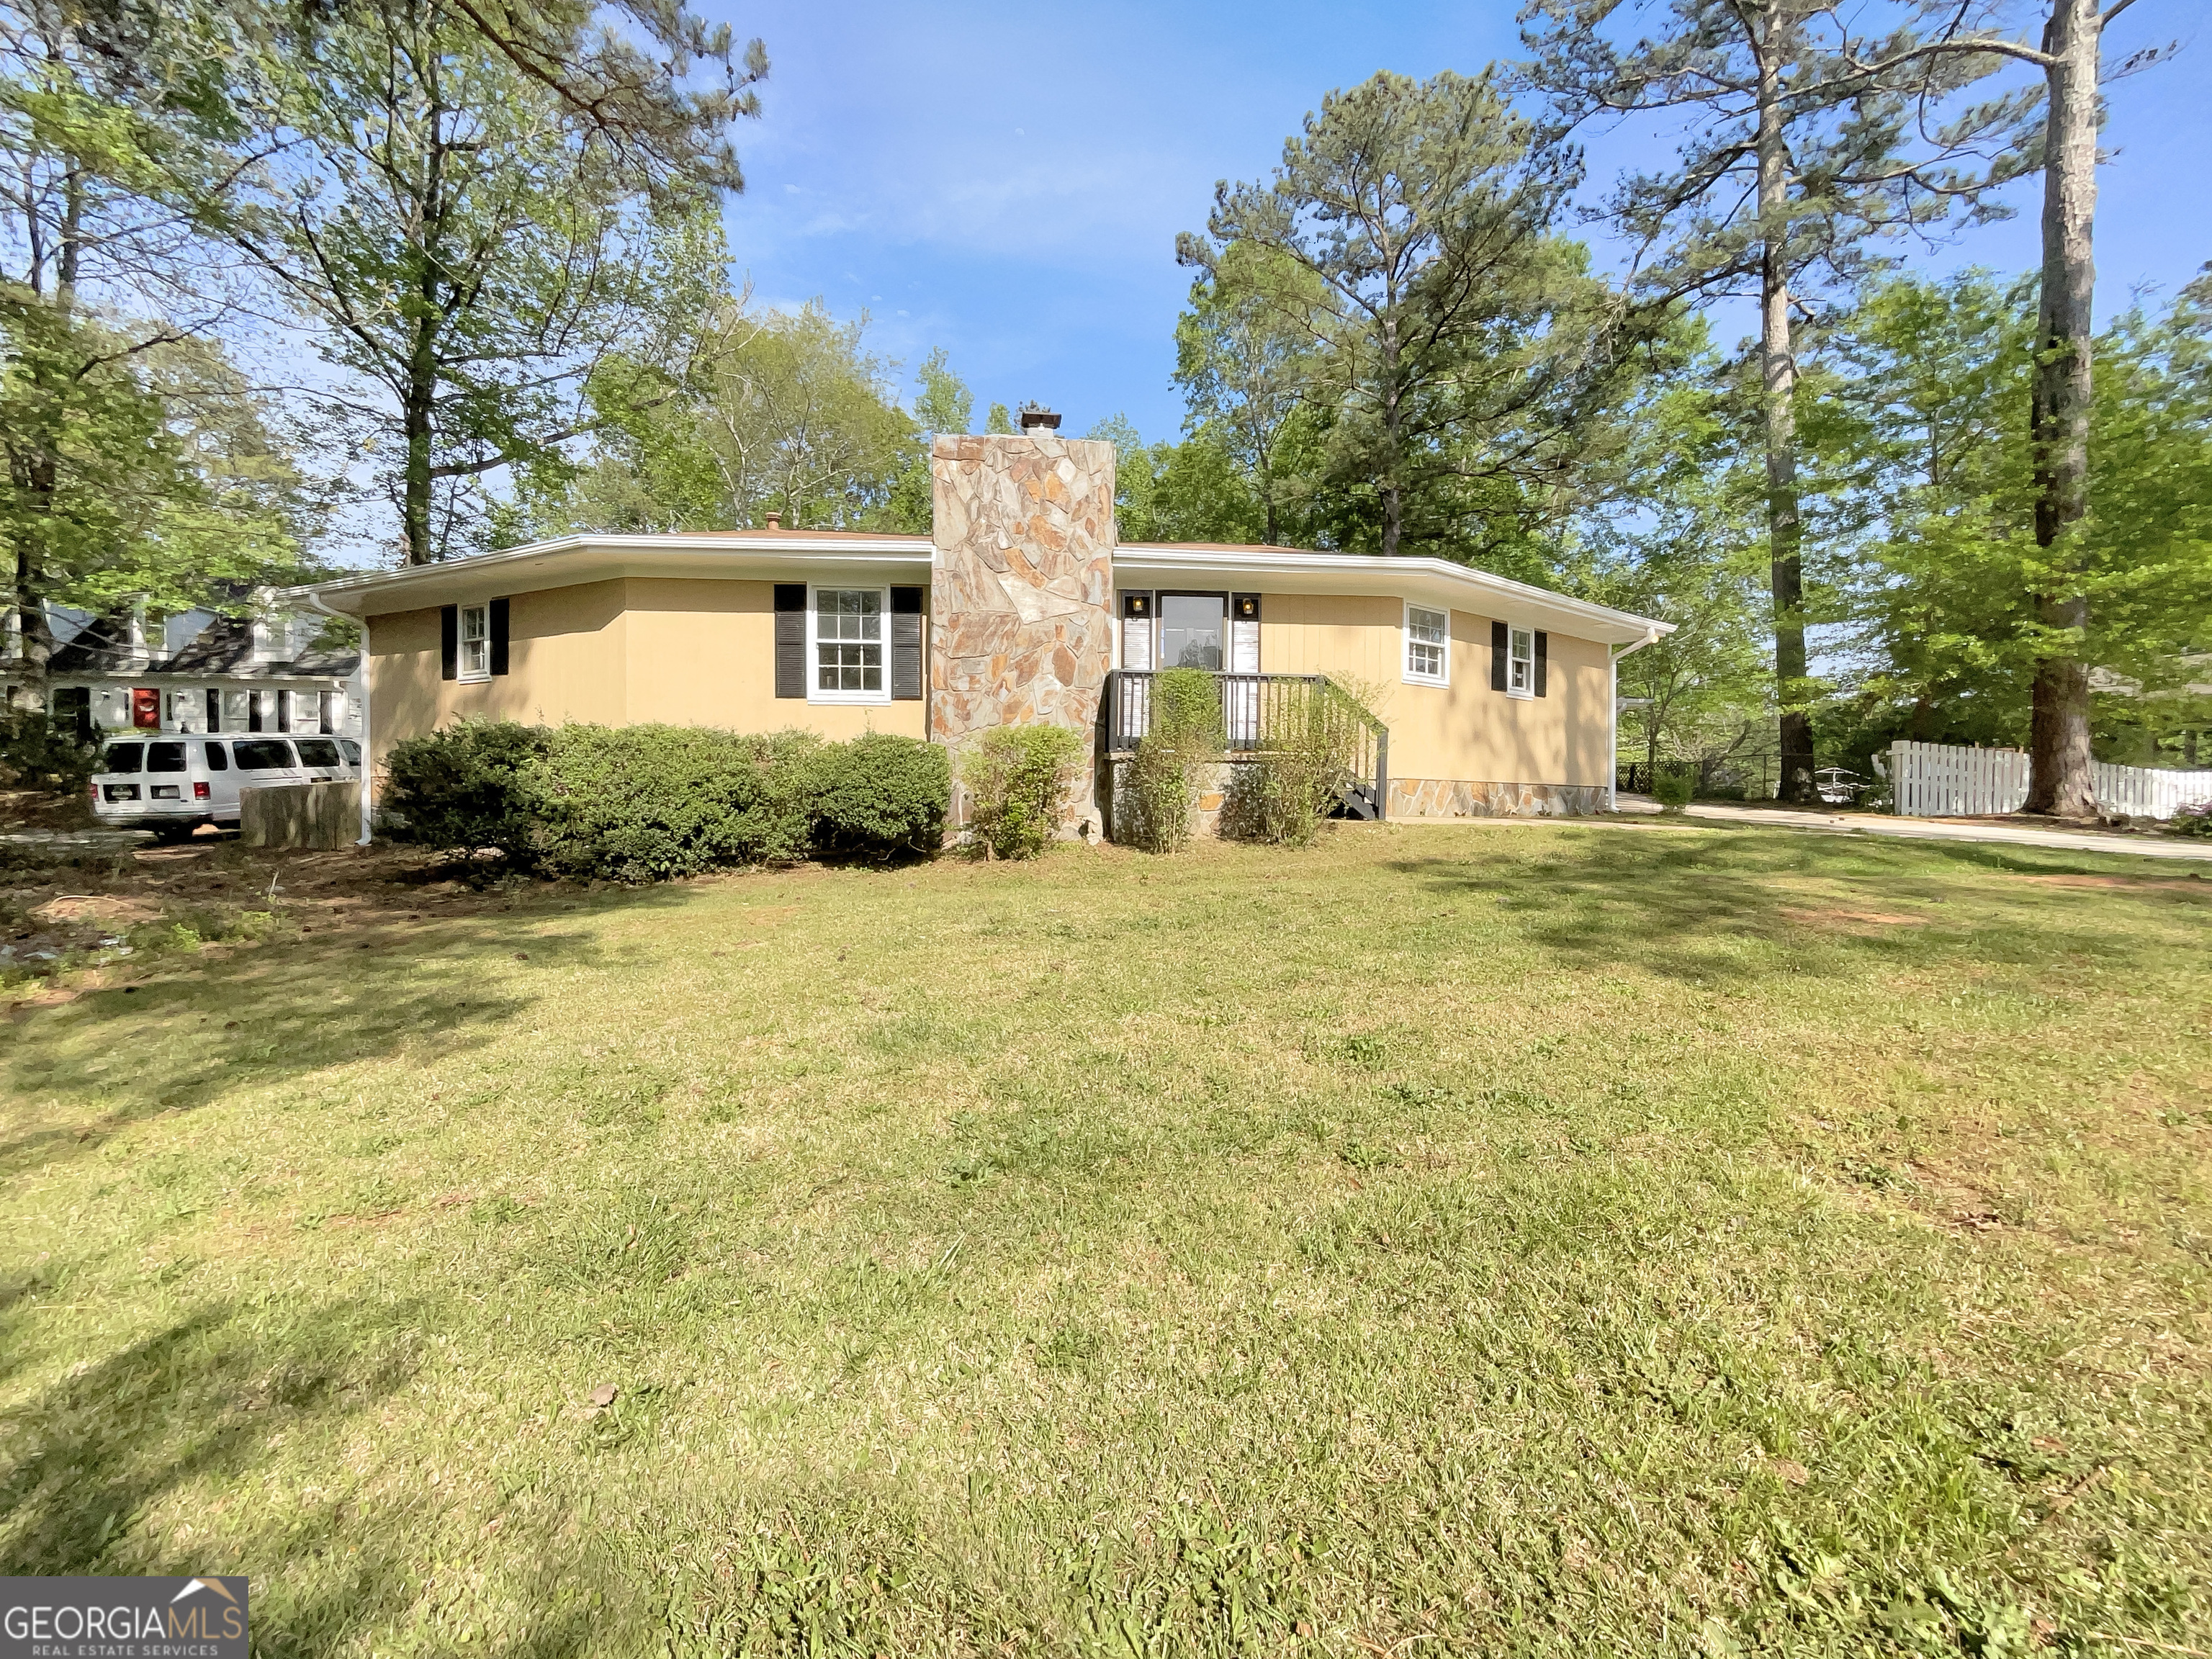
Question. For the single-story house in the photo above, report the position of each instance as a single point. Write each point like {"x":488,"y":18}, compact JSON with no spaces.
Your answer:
{"x":1485,"y":696}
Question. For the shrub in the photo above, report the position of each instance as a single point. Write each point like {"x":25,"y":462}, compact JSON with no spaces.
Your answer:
{"x":1159,"y":784}
{"x":879,"y":796}
{"x":1016,"y":777}
{"x":2194,"y":820}
{"x":1282,"y":794}
{"x":45,"y":755}
{"x":468,"y":785}
{"x":1671,"y":787}
{"x":649,"y":803}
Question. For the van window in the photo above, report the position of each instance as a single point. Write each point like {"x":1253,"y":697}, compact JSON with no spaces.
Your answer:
{"x":352,"y":750}
{"x":122,"y":757}
{"x":318,"y":752}
{"x":164,"y":757}
{"x":218,"y":757}
{"x":261,"y":754}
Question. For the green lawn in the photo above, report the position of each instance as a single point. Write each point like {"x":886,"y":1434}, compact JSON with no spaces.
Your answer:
{"x":1565,"y":1239}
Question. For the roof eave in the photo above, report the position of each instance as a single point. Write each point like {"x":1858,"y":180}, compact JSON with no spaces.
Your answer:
{"x":1506,"y":599}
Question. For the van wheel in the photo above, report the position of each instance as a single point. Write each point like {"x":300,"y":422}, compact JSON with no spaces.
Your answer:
{"x":169,"y":834}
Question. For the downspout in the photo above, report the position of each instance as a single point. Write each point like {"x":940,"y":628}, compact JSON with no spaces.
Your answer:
{"x":1613,"y":714}
{"x":360,"y":684}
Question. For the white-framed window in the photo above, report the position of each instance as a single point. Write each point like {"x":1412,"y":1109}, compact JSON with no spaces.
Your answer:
{"x":849,"y":645}
{"x":476,"y":643}
{"x":1520,"y":662}
{"x":1428,"y":646}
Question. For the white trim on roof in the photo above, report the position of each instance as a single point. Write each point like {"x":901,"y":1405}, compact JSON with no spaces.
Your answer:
{"x":1436,"y":581}
{"x":862,"y":558}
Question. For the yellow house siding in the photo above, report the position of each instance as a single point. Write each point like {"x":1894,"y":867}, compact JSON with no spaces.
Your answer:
{"x":630,"y":651}
{"x":703,"y":653}
{"x":1462,"y":731}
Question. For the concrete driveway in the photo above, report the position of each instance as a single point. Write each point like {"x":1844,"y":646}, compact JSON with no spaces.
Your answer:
{"x":1878,"y":823}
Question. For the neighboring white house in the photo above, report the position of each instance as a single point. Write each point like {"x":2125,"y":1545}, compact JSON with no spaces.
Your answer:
{"x":266,"y":670}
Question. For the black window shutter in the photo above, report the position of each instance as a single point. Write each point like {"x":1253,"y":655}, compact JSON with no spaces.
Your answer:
{"x":283,"y":711}
{"x":906,"y":644}
{"x":498,"y":620}
{"x":215,"y":709}
{"x":1500,"y":644}
{"x":790,"y":639}
{"x":449,"y":643}
{"x":1543,"y":663}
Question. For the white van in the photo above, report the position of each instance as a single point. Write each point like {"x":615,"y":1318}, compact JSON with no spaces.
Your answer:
{"x":173,"y":784}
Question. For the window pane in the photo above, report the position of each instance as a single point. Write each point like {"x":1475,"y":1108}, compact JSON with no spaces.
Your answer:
{"x":1190,"y":630}
{"x":122,"y":757}
{"x":848,"y":613}
{"x":262,"y":755}
{"x":318,"y":752}
{"x":164,"y":757}
{"x":475,"y":623}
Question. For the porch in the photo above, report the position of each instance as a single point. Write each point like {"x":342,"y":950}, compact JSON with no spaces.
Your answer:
{"x":1268,"y":714}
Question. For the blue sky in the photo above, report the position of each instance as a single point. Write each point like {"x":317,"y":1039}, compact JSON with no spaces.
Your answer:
{"x":1007,"y":182}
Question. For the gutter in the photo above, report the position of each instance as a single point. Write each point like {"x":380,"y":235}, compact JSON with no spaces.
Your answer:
{"x":367,"y":780}
{"x":1612,"y":702}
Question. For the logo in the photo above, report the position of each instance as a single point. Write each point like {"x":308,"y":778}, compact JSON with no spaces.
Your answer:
{"x":122,"y":1618}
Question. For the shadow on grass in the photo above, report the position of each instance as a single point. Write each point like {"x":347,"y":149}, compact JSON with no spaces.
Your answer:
{"x":205,"y":1025}
{"x":1682,"y":907}
{"x":95,"y":1464}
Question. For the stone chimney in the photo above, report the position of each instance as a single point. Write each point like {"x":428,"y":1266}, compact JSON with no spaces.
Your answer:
{"x":1021,"y":605}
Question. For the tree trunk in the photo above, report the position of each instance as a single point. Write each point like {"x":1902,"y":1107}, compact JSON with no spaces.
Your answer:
{"x":1778,"y":375}
{"x":34,"y":636}
{"x":39,"y":478}
{"x":1393,"y":503}
{"x":2061,"y":780}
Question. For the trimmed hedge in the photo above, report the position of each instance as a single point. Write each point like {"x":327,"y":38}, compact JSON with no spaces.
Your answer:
{"x":650,"y":803}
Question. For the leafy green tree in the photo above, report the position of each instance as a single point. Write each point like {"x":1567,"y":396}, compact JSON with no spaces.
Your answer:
{"x":1457,"y":343}
{"x":1937,"y":380}
{"x":466,"y":241}
{"x":788,"y":413}
{"x":1802,"y":143}
{"x":942,"y":402}
{"x":132,"y":474}
{"x":1677,"y":536}
{"x":1243,"y":355}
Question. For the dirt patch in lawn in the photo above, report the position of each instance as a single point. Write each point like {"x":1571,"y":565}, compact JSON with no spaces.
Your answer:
{"x":2197,"y":885}
{"x":110,"y":910}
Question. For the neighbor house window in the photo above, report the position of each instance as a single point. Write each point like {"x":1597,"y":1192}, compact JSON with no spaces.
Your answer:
{"x":1428,"y":646}
{"x":848,"y":644}
{"x":1521,"y":663}
{"x":476,"y":643}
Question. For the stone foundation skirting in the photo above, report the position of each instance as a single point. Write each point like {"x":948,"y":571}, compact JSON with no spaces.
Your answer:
{"x":1449,"y":798}
{"x":1410,"y":798}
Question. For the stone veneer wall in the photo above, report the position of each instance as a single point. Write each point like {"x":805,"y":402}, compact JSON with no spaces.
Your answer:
{"x":1449,"y":797}
{"x":1021,"y":602}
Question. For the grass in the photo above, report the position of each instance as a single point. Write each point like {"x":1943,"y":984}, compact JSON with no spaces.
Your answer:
{"x":1560,"y":1240}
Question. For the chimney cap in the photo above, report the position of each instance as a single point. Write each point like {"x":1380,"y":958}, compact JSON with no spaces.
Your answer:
{"x":776,"y":520}
{"x":1036,"y":417}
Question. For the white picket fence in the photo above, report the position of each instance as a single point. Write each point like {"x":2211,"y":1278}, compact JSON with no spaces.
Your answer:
{"x":1937,"y":779}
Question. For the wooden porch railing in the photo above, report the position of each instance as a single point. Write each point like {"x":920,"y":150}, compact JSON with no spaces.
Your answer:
{"x":1264,"y":711}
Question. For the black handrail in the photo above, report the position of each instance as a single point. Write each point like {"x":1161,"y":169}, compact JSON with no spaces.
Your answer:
{"x":1259,"y":713}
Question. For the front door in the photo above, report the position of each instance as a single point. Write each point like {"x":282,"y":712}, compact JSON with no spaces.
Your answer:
{"x":1191,"y":632}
